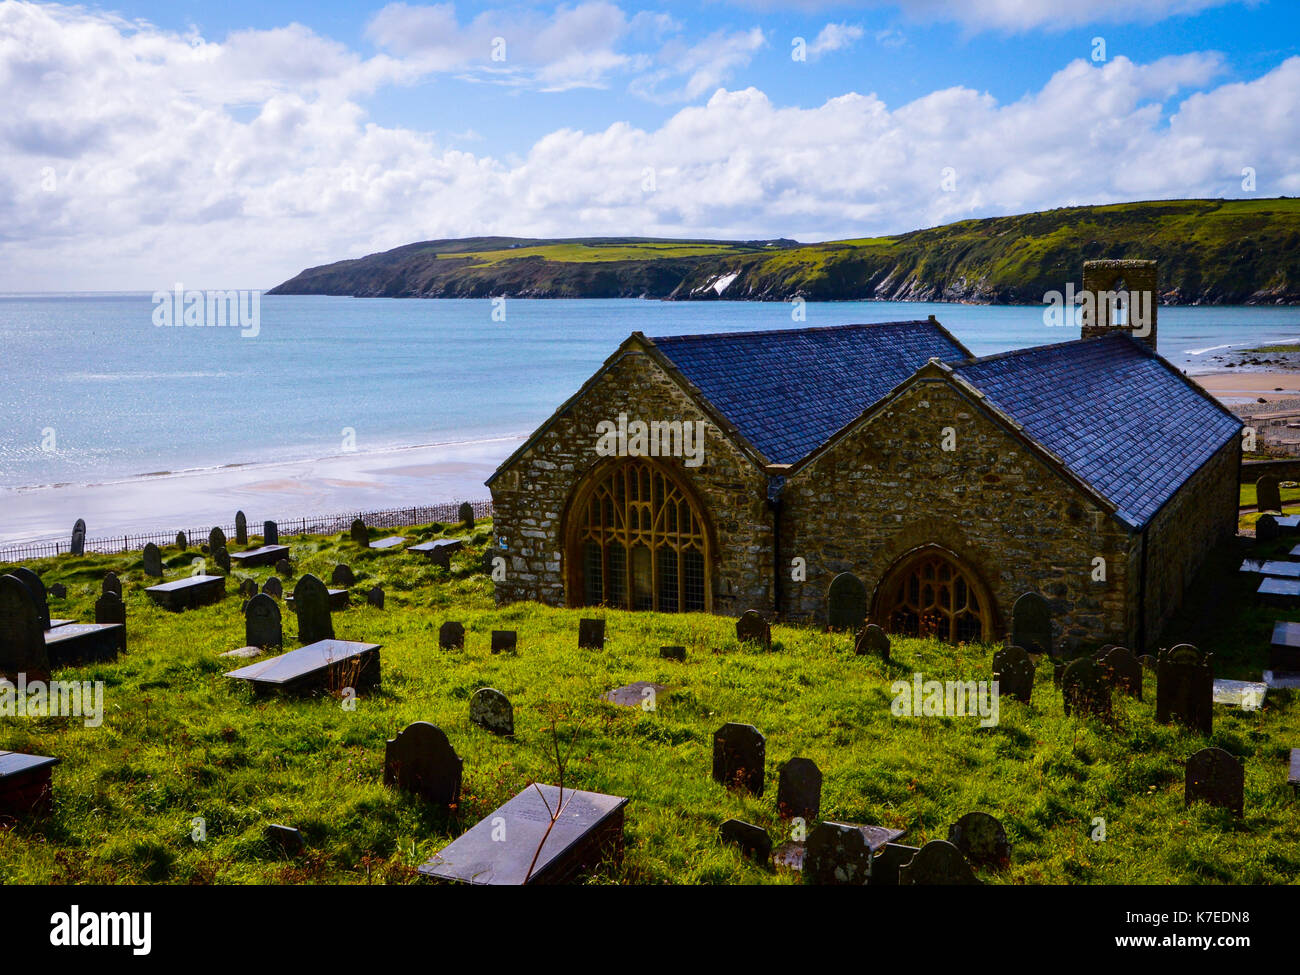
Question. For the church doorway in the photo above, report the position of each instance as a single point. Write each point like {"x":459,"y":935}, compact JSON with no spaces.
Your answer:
{"x":930,"y":592}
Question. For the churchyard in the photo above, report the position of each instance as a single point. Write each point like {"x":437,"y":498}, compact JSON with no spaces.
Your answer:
{"x":197,"y":777}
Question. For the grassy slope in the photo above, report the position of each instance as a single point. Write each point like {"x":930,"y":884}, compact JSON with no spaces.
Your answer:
{"x":181,"y":741}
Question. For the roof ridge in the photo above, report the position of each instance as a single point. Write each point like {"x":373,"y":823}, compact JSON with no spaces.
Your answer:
{"x":1029,"y":349}
{"x":791,"y":331}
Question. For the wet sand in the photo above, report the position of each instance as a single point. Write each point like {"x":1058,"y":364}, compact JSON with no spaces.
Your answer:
{"x":1236,"y":387}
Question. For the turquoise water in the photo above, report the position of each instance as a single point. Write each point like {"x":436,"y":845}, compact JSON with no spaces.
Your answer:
{"x":94,"y":390}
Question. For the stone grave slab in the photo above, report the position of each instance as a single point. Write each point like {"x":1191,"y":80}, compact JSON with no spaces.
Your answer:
{"x":846,"y":604}
{"x":22,"y":639}
{"x":1272,"y":567}
{"x":635,"y":695}
{"x":1289,"y":524}
{"x":492,"y":711}
{"x":438,"y":551}
{"x":841,"y":854}
{"x":243,"y":653}
{"x":1283,"y":680}
{"x":1284,"y":647}
{"x":981,"y":839}
{"x":504,"y":641}
{"x":391,"y":541}
{"x":339,"y":599}
{"x":889,"y":861}
{"x":1293,"y":771}
{"x":753,"y":840}
{"x":1185,"y":688}
{"x":1245,"y":694}
{"x":591,"y":634}
{"x":799,"y":790}
{"x":263,"y":555}
{"x":938,"y":862}
{"x":420,"y":760}
{"x":739,"y":752}
{"x":1216,"y":777}
{"x":752,"y":627}
{"x":78,"y":643}
{"x":1014,"y":671}
{"x":26,"y":787}
{"x":451,"y":636}
{"x":316,"y":666}
{"x":188,"y":593}
{"x":589,"y":831}
{"x":1031,"y":623}
{"x":262,"y":625}
{"x":673,"y":653}
{"x":152,"y":558}
{"x":789,"y":855}
{"x":872,"y":640}
{"x":1282,"y":593}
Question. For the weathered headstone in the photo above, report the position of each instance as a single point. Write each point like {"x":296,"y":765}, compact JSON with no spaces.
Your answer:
{"x":421,"y":760}
{"x":375,"y":597}
{"x":22,"y":638}
{"x":221,"y":556}
{"x":1185,"y":687}
{"x":283,"y":568}
{"x":1148,"y":661}
{"x":799,"y":790}
{"x":270,"y":533}
{"x":873,"y":641}
{"x":1014,"y":672}
{"x":37,"y":588}
{"x":109,"y":608}
{"x":752,"y":627}
{"x":492,"y":711}
{"x":262,"y":626}
{"x":504,"y":641}
{"x":274,"y":587}
{"x":153,"y":561}
{"x":248,"y":588}
{"x":1085,"y":690}
{"x":981,"y":839}
{"x":343,"y":576}
{"x":466,"y":515}
{"x":182,"y":542}
{"x":1268,"y":495}
{"x":1267,"y":529}
{"x":241,"y":528}
{"x":938,"y":862}
{"x":673,"y":653}
{"x":360,"y":535}
{"x":1031,"y":623}
{"x":111,"y":583}
{"x":216,"y":539}
{"x":753,"y":840}
{"x":451,"y":636}
{"x":1122,"y":670}
{"x":739,"y":752}
{"x":591,"y":634}
{"x":311,"y":601}
{"x":837,"y":854}
{"x":284,"y":839}
{"x":1216,"y":777}
{"x":58,"y":590}
{"x":78,"y":546}
{"x":846,"y":604}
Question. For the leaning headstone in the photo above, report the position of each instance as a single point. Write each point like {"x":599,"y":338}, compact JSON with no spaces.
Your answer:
{"x":375,"y":597}
{"x":799,"y":790}
{"x":451,"y":636}
{"x":753,"y":840}
{"x":262,"y":626}
{"x":1031,"y":623}
{"x":938,"y":862}
{"x":286,"y":839}
{"x":111,"y":583}
{"x":421,"y":760}
{"x":753,"y":628}
{"x":1085,"y":690}
{"x":274,"y":587}
{"x":1267,"y":529}
{"x":221,"y":556}
{"x":182,"y":542}
{"x":846,"y":604}
{"x":241,"y":528}
{"x":311,"y":601}
{"x":837,"y":854}
{"x":1216,"y":777}
{"x":466,"y":515}
{"x":109,"y":608}
{"x":216,"y":539}
{"x":504,"y":641}
{"x":591,"y":634}
{"x":1123,"y":671}
{"x":78,"y":546}
{"x":343,"y":576}
{"x":492,"y":711}
{"x":360,"y":536}
{"x":270,"y":533}
{"x":283,"y":568}
{"x":673,"y":653}
{"x":1268,"y":496}
{"x":738,"y":757}
{"x":22,"y":638}
{"x":153,"y":561}
{"x":1185,"y":687}
{"x":872,"y":640}
{"x":1014,"y":672}
{"x":981,"y":839}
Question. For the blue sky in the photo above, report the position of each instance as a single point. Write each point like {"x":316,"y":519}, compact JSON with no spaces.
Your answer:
{"x":243,"y":141}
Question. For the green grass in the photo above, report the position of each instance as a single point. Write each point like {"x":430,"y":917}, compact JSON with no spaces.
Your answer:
{"x":180,"y":741}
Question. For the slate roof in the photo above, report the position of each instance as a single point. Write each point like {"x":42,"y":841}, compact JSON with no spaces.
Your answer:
{"x":1121,"y":418}
{"x":788,"y":391}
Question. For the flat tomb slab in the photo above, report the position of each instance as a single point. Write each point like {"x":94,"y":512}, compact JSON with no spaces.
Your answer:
{"x":589,"y":830}
{"x":1279,"y":591}
{"x":1282,"y":680}
{"x":1289,"y":523}
{"x":24,"y":783}
{"x":439,"y":550}
{"x":54,"y":623}
{"x":339,"y":599}
{"x":75,"y":643}
{"x":634,"y":695}
{"x":1293,"y":775}
{"x":188,"y":593}
{"x":1242,"y":693}
{"x":1284,"y":647}
{"x":392,"y":541}
{"x":312,"y":667}
{"x":265,"y":555}
{"x":1272,"y":567}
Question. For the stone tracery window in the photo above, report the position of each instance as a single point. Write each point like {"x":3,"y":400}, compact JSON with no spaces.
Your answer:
{"x":640,"y":543}
{"x":932,"y":594}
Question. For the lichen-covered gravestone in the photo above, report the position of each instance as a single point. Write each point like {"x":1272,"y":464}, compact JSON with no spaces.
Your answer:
{"x":799,"y":790}
{"x":248,"y":588}
{"x":109,"y":608}
{"x":739,"y":752}
{"x":753,"y":628}
{"x":504,"y":641}
{"x":216,"y":539}
{"x":360,"y":536}
{"x":492,"y":711}
{"x":1031,"y":623}
{"x":273,"y":587}
{"x":1268,"y":496}
{"x":420,"y":760}
{"x":78,"y":546}
{"x":182,"y":542}
{"x":981,"y":839}
{"x":451,"y":636}
{"x":111,"y":583}
{"x":343,"y":576}
{"x":591,"y":634}
{"x":1185,"y":687}
{"x":311,"y":601}
{"x":22,"y":638}
{"x":873,"y":641}
{"x":221,"y":556}
{"x":153,"y":561}
{"x":283,"y":568}
{"x":1084,"y":690}
{"x":753,"y":840}
{"x":270,"y":533}
{"x":241,"y":528}
{"x":846,"y":604}
{"x":466,"y":516}
{"x":262,"y":626}
{"x":837,"y":854}
{"x":1216,"y":777}
{"x":1014,"y":672}
{"x":1122,"y":670}
{"x":938,"y":862}
{"x":375,"y":597}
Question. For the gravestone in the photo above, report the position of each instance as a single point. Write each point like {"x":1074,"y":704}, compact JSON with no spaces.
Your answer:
{"x":78,"y":546}
{"x":1268,"y":496}
{"x":58,"y":590}
{"x":837,"y":854}
{"x":37,"y":588}
{"x":873,"y":641}
{"x":216,"y":539}
{"x":938,"y":862}
{"x":504,"y":641}
{"x":451,"y":636}
{"x":846,"y":604}
{"x":248,"y":588}
{"x":492,"y":711}
{"x":109,"y":608}
{"x":1148,"y":661}
{"x":591,"y":634}
{"x":753,"y":628}
{"x":241,"y":528}
{"x":182,"y":542}
{"x":753,"y":840}
{"x":1283,"y":648}
{"x":1185,"y":687}
{"x":738,"y":757}
{"x":799,"y":790}
{"x":270,"y":533}
{"x":283,"y":568}
{"x":466,"y":516}
{"x":673,"y":653}
{"x":262,"y":627}
{"x":111,"y":583}
{"x":1014,"y":672}
{"x":311,"y":601}
{"x":375,"y":597}
{"x":274,"y":587}
{"x":327,"y":665}
{"x":1122,"y":670}
{"x":252,"y":558}
{"x":421,"y":760}
{"x":360,"y":536}
{"x":285,"y":839}
{"x":22,"y":638}
{"x":981,"y":839}
{"x":153,"y":561}
{"x":1216,"y":777}
{"x":343,"y":576}
{"x":1084,"y":690}
{"x":1267,"y":529}
{"x":1031,"y":623}
{"x":221,"y":556}
{"x":639,"y":694}
{"x":889,"y":861}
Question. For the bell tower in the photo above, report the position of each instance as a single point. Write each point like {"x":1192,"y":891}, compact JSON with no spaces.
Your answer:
{"x":1120,"y":295}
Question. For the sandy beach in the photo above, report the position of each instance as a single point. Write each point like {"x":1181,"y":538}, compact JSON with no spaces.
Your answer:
{"x":1240,"y":387}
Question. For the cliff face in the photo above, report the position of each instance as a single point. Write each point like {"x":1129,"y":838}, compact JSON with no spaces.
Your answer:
{"x":1210,"y":252}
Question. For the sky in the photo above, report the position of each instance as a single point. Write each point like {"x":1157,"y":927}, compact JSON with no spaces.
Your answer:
{"x":230,"y":145}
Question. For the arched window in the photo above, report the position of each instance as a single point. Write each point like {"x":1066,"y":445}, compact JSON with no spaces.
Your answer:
{"x":930,"y":593}
{"x":1119,"y":303}
{"x":638,"y":541}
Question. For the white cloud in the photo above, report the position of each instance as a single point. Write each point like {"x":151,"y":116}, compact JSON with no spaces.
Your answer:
{"x":700,"y":67}
{"x":834,"y":37}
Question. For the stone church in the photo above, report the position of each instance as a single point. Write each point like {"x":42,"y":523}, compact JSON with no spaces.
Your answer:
{"x":747,"y":470}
